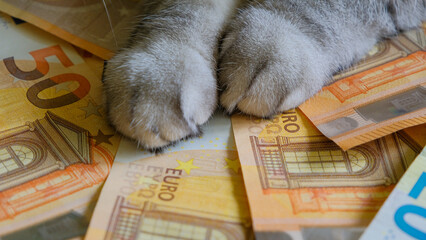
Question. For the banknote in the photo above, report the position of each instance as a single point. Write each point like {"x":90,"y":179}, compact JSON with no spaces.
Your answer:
{"x":301,"y":185}
{"x":384,"y":93}
{"x":70,"y":225}
{"x":403,"y":215}
{"x":193,"y":190}
{"x":95,"y":63}
{"x":98,"y":26}
{"x":56,"y":147}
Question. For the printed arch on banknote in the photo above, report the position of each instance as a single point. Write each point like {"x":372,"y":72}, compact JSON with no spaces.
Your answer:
{"x":291,"y":163}
{"x":147,"y":220}
{"x":49,"y":154}
{"x":19,"y":156}
{"x":319,"y":177}
{"x":405,"y":44}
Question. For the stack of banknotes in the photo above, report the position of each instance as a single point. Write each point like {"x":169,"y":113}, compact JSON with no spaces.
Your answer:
{"x":348,"y":164}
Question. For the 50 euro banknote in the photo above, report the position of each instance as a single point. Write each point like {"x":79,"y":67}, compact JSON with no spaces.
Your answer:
{"x":194,"y":190}
{"x":301,"y":185}
{"x":382,"y":94}
{"x":98,"y":26}
{"x":56,"y":147}
{"x":403,"y":215}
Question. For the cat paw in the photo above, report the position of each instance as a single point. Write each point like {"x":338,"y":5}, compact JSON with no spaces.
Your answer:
{"x":160,"y":93}
{"x":267,"y":65}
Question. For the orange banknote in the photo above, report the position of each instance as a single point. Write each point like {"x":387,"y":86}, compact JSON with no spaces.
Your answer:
{"x":382,"y":94}
{"x":56,"y":147}
{"x":98,"y":26}
{"x":301,"y":185}
{"x":194,"y":190}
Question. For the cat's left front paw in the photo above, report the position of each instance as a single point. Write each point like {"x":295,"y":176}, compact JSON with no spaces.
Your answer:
{"x":161,"y":93}
{"x":267,"y":65}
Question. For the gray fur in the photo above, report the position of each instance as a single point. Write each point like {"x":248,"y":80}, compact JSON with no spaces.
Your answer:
{"x":274,"y":55}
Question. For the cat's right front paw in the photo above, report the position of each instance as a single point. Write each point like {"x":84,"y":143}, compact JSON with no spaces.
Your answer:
{"x":159,"y":94}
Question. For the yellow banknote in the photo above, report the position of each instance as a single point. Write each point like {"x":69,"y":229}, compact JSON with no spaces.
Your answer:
{"x":193,"y":190}
{"x":56,"y":147}
{"x":403,"y":216}
{"x":384,"y":93}
{"x":98,"y":26}
{"x":301,"y":185}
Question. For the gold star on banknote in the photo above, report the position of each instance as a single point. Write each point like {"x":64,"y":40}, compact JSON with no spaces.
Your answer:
{"x":186,"y":166}
{"x":102,"y":138}
{"x":92,"y":109}
{"x":232,"y":164}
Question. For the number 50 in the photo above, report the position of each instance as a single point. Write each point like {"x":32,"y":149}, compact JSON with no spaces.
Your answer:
{"x":42,"y":68}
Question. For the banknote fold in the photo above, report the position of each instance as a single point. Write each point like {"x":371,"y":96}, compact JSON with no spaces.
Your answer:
{"x":382,"y":94}
{"x":301,"y":185}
